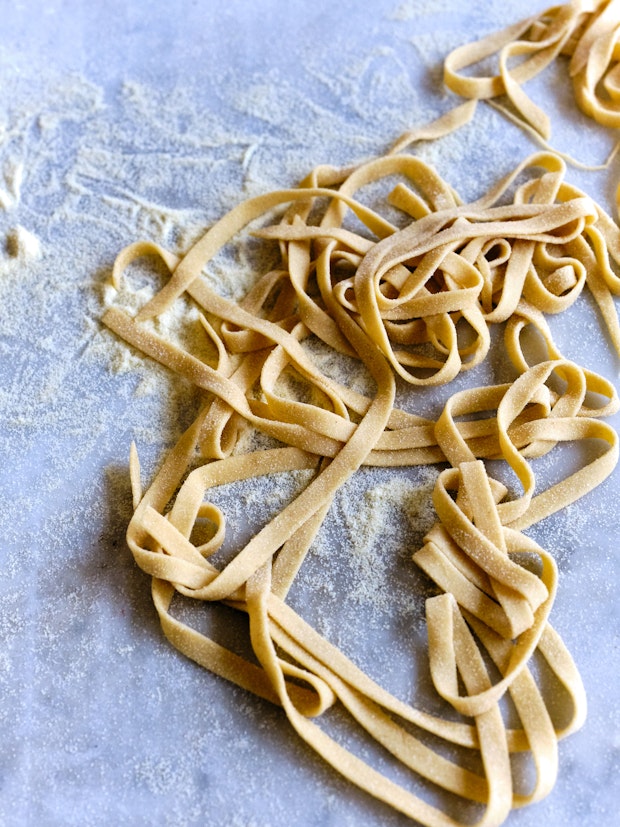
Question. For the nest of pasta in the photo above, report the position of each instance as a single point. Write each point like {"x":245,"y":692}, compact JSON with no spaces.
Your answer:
{"x":413,"y":300}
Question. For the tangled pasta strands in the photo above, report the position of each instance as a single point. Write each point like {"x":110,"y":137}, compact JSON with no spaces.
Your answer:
{"x":414,"y":302}
{"x":586,"y":31}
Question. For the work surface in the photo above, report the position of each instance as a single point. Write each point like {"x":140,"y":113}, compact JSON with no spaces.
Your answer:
{"x":121,"y":121}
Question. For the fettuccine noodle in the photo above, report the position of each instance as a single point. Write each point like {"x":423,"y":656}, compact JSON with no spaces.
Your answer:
{"x":413,"y":303}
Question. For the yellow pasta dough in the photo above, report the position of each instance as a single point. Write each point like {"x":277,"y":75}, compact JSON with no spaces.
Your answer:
{"x":414,"y":303}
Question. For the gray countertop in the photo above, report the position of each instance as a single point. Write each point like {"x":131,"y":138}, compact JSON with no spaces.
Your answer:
{"x":123,"y":120}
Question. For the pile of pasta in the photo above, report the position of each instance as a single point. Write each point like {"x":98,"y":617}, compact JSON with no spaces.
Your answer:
{"x":413,"y":300}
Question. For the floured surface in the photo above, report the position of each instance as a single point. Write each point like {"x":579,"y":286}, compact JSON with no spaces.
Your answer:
{"x":102,"y":722}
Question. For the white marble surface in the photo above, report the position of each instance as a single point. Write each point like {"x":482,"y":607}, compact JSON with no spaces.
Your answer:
{"x":101,"y":722}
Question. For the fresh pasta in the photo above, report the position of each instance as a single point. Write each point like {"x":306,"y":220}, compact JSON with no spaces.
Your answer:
{"x":413,"y":302}
{"x":587,"y":31}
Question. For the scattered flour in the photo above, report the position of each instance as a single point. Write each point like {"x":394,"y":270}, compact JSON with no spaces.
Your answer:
{"x":84,"y":171}
{"x":22,"y":245}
